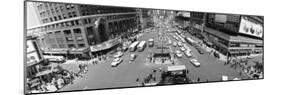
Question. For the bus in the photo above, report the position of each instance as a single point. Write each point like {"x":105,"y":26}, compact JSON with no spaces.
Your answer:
{"x":133,"y":46}
{"x":141,"y":46}
{"x":150,"y":42}
{"x":59,"y":59}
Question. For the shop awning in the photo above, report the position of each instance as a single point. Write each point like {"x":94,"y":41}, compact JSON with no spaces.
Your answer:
{"x":79,"y":50}
{"x":244,"y":51}
{"x":56,"y":51}
{"x":105,"y":45}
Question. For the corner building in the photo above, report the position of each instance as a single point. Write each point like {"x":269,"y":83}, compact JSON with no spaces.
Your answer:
{"x":223,"y":32}
{"x":81,"y":30}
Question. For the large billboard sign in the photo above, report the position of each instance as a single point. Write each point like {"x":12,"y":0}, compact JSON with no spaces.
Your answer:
{"x":250,"y":28}
{"x":221,"y":18}
{"x":32,"y":53}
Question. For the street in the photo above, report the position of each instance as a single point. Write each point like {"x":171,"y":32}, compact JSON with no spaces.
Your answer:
{"x":102,"y":75}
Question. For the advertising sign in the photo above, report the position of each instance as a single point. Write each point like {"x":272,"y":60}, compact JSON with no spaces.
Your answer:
{"x":32,"y":58}
{"x":250,"y":28}
{"x":220,"y":18}
{"x":29,"y":46}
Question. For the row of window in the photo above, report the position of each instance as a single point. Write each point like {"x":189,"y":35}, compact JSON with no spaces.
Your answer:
{"x":58,"y":17}
{"x":244,"y":45}
{"x":42,"y":6}
{"x":68,"y":45}
{"x":91,"y":10}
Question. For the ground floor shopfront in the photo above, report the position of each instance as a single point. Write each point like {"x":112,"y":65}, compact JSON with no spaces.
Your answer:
{"x":231,"y":45}
{"x":80,"y":53}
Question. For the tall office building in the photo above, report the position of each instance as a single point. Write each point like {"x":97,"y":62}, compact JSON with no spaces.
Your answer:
{"x":78,"y":30}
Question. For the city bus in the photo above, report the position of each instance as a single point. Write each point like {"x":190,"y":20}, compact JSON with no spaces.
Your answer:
{"x":141,"y":46}
{"x":150,"y":42}
{"x":133,"y":46}
{"x":59,"y":59}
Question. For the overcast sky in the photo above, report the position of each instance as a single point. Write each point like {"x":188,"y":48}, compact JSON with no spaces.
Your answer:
{"x":31,"y":17}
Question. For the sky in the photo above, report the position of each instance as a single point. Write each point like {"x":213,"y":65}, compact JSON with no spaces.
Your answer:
{"x":31,"y":17}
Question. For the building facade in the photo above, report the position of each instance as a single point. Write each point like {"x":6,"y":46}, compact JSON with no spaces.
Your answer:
{"x":224,"y":33}
{"x":33,"y":57}
{"x":72,"y":29}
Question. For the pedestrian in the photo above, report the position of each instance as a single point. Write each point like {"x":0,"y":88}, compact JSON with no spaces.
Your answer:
{"x":198,"y":79}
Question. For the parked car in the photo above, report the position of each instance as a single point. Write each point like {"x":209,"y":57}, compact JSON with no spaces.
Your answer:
{"x":182,"y":48}
{"x":195,"y":62}
{"x":116,"y":62}
{"x":174,"y":44}
{"x":119,"y":54}
{"x":180,"y":44}
{"x":179,"y":54}
{"x":188,"y":53}
{"x":133,"y":57}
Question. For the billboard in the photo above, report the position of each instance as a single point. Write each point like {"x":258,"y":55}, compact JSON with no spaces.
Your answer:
{"x":250,"y":28}
{"x":32,"y":56}
{"x":221,"y":18}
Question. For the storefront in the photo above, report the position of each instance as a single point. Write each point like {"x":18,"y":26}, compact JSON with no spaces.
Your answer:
{"x":80,"y":53}
{"x":56,"y":52}
{"x":104,"y":48}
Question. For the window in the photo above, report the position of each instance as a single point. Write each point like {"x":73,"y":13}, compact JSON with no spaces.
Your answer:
{"x":234,"y":44}
{"x":72,"y":23}
{"x":61,"y":24}
{"x":67,"y":32}
{"x":77,"y":31}
{"x":79,"y":38}
{"x":54,"y":46}
{"x":72,"y":6}
{"x":64,"y":16}
{"x":48,"y":12}
{"x":67,"y":6}
{"x":61,"y":8}
{"x":81,"y":45}
{"x":55,"y":18}
{"x":59,"y":17}
{"x":52,"y":10}
{"x":71,"y":46}
{"x":74,"y":14}
{"x":76,"y":22}
{"x":57,"y":32}
{"x":69,"y":39}
{"x":51,"y":19}
{"x":70,"y":14}
{"x":57,"y":9}
{"x":62,"y":46}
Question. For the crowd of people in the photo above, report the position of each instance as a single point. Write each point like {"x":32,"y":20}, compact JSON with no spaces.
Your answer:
{"x":252,"y":71}
{"x":55,"y":82}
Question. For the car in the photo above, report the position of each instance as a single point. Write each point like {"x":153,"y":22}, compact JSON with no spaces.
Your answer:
{"x":119,"y":54}
{"x":188,"y":53}
{"x":185,"y":46}
{"x":174,"y":44}
{"x":182,"y":48}
{"x":179,"y":54}
{"x":200,"y":50}
{"x":116,"y":61}
{"x":195,"y":62}
{"x":133,"y":57}
{"x":124,"y":48}
{"x":180,"y":44}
